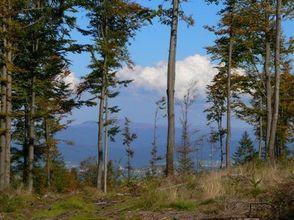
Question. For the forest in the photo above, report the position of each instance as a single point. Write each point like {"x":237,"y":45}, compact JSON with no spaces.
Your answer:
{"x":254,"y":84}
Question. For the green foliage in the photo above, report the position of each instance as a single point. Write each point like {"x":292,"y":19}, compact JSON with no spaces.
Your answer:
{"x":72,"y":204}
{"x":128,"y":138}
{"x":245,"y":151}
{"x":183,"y":205}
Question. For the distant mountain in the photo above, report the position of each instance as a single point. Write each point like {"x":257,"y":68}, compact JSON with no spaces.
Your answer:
{"x":84,"y":139}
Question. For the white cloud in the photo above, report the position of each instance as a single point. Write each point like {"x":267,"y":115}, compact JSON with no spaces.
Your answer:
{"x":72,"y":80}
{"x":193,"y":68}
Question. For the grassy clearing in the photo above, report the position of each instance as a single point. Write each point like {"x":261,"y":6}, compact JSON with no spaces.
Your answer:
{"x":73,"y":206}
{"x":222,"y":193}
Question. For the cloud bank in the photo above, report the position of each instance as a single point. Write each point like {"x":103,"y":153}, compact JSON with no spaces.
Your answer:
{"x":153,"y":78}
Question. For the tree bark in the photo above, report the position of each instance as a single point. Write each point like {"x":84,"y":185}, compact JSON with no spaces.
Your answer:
{"x":48,"y":156}
{"x":277,"y":85}
{"x":31,"y":133}
{"x":3,"y":113}
{"x":8,"y":118}
{"x":106,"y":145}
{"x":220,"y":130}
{"x":171,"y":72}
{"x":25,"y":144}
{"x":6,"y":102}
{"x":228,"y":136}
{"x":268,"y":81}
{"x":100,"y":128}
{"x":260,"y":131}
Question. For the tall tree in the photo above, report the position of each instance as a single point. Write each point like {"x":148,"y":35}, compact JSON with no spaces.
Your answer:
{"x":112,"y":24}
{"x":42,"y":67}
{"x":274,"y":121}
{"x":215,"y":112}
{"x":225,"y":50}
{"x":171,"y":17}
{"x":10,"y":31}
{"x":171,"y":75}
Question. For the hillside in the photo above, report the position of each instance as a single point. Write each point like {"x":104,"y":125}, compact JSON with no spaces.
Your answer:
{"x":84,"y":143}
{"x":251,"y":191}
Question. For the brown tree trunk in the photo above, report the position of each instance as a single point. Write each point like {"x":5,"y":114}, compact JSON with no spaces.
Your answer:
{"x":268,"y":81}
{"x":25,"y":145}
{"x":171,"y":74}
{"x":31,"y":133}
{"x":220,"y":130}
{"x":277,"y":85}
{"x":6,"y":102}
{"x":228,"y":136}
{"x":106,"y":145}
{"x":8,"y":118}
{"x":3,"y":114}
{"x":48,"y":156}
{"x":229,"y":66}
{"x":260,"y":131}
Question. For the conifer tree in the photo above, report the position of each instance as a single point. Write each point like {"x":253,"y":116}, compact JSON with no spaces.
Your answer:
{"x":128,"y":139}
{"x":42,"y":67}
{"x":186,"y":164}
{"x":245,"y":151}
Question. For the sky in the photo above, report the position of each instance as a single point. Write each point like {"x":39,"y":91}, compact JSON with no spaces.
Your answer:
{"x":149,"y":51}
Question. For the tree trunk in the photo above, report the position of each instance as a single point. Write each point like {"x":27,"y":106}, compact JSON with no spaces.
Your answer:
{"x":106,"y":145}
{"x":100,"y":128}
{"x":25,"y":145}
{"x":220,"y":130}
{"x":277,"y":85}
{"x":3,"y":114}
{"x":268,"y":82}
{"x":260,"y":131}
{"x":228,"y":136}
{"x":8,"y":117}
{"x":48,"y":156}
{"x":171,"y":72}
{"x":6,"y":103}
{"x":31,"y":133}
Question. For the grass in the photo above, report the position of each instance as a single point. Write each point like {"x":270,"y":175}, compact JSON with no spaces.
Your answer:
{"x":75,"y":205}
{"x":184,"y":205}
{"x":208,"y":194}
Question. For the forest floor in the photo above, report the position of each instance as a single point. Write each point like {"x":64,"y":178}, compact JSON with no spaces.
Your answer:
{"x":245,"y":192}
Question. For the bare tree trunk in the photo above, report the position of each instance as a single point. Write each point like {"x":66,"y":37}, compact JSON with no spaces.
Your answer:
{"x":229,"y":66}
{"x":25,"y":145}
{"x":260,"y":131}
{"x":100,"y":128}
{"x":220,"y":130}
{"x":48,"y":156}
{"x":8,"y":118}
{"x":3,"y":114}
{"x":228,"y":136}
{"x":268,"y":81}
{"x":171,"y":72}
{"x":106,"y":145}
{"x":6,"y":104}
{"x":31,"y":135}
{"x":277,"y":84}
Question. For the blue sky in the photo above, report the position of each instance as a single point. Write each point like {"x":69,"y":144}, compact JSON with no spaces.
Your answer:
{"x":148,"y":49}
